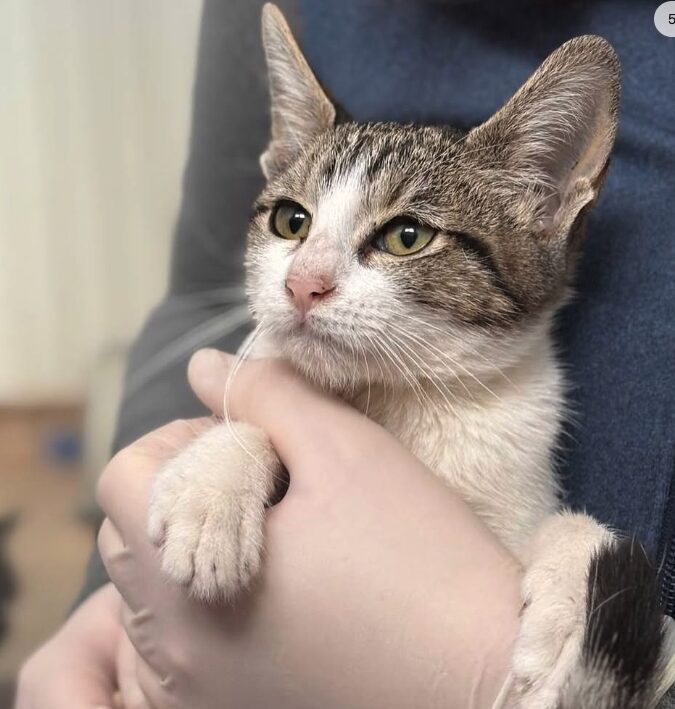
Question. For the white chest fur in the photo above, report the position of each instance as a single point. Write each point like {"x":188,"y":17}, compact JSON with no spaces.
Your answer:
{"x":494,"y":447}
{"x":491,"y":440}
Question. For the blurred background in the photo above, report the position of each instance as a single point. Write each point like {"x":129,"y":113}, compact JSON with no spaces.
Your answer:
{"x":94,"y":125}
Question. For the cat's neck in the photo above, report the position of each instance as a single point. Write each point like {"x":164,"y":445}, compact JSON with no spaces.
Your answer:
{"x":533,"y":372}
{"x":527,"y":370}
{"x":490,"y":439}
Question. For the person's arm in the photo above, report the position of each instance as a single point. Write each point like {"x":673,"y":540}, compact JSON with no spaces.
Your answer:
{"x":380,"y":586}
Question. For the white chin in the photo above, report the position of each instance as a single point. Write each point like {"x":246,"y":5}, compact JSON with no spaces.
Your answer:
{"x":319,"y":358}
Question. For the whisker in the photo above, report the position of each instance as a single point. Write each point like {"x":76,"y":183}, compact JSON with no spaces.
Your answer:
{"x":242,"y":356}
{"x":365,"y":363}
{"x":411,"y":381}
{"x":444,"y":392}
{"x":446,"y":357}
{"x":472,"y":349}
{"x":205,"y":333}
{"x":374,"y":349}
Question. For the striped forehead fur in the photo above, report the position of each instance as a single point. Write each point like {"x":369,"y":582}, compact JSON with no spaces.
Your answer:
{"x":425,"y":173}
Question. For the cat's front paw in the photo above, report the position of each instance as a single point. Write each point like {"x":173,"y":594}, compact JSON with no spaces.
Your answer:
{"x":207,"y":510}
{"x":553,"y":621}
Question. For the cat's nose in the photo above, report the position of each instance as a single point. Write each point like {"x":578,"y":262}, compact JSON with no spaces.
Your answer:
{"x":306,"y":292}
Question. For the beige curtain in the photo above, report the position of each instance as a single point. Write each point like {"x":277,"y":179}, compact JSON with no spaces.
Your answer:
{"x":94,"y":123}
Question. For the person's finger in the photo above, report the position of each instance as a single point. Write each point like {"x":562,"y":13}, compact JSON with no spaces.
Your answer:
{"x":76,"y":668}
{"x":111,"y":547}
{"x":208,"y":372}
{"x":123,"y":493}
{"x":158,"y":691}
{"x":164,"y":442}
{"x":124,"y":485}
{"x":131,"y":694}
{"x":122,"y":563}
{"x":97,"y":630}
{"x":299,"y":420}
{"x":140,"y":629}
{"x":256,"y":392}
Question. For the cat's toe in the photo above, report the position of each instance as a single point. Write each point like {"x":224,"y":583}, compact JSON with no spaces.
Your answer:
{"x":553,"y":621}
{"x":548,"y":646}
{"x":179,"y":544}
{"x":212,"y":544}
{"x":229,"y":551}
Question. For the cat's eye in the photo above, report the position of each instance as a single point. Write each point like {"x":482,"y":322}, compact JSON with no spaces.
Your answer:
{"x":404,"y":237}
{"x":291,"y":221}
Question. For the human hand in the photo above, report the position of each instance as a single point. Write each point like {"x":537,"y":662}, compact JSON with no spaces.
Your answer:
{"x":76,"y":669}
{"x":380,"y":587}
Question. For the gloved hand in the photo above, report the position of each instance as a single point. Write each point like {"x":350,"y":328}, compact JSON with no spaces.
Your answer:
{"x":77,"y":669}
{"x":380,"y":587}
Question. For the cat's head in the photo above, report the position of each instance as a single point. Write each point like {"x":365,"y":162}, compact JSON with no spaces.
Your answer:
{"x":383,"y":249}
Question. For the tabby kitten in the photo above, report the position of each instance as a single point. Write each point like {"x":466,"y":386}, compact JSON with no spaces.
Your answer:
{"x":415,"y":271}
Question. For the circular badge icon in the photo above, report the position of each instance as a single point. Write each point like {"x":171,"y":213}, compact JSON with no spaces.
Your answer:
{"x":664,"y":18}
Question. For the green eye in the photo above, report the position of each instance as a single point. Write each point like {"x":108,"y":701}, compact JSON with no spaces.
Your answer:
{"x":291,"y":221}
{"x":403,"y":238}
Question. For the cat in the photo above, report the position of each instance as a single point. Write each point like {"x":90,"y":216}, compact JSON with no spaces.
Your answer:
{"x":416,"y":272}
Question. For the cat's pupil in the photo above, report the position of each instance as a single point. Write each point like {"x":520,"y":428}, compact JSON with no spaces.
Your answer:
{"x":408,"y":236}
{"x":296,"y":221}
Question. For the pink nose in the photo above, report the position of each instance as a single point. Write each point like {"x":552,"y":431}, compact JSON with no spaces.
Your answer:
{"x":306,"y":292}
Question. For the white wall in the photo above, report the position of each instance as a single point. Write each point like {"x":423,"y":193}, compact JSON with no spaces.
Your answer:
{"x":94,"y":121}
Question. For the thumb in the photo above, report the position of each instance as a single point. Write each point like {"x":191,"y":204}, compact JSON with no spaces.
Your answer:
{"x":208,"y":372}
{"x":132,"y":696}
{"x":301,"y":422}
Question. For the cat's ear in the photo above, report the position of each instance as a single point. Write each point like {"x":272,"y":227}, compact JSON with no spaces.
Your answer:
{"x":550,"y":144}
{"x":300,"y":108}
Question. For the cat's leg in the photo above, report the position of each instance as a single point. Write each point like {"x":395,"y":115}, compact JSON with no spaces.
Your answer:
{"x":207,"y":510}
{"x":592,"y":631}
{"x":557,"y":561}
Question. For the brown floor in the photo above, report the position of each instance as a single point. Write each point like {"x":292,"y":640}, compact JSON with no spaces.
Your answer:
{"x":50,"y":543}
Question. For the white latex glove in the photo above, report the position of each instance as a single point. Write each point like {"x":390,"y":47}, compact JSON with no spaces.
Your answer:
{"x":77,"y":668}
{"x":380,"y":587}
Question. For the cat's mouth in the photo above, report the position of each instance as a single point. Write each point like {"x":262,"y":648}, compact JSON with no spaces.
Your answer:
{"x":310,"y":335}
{"x":302,"y":324}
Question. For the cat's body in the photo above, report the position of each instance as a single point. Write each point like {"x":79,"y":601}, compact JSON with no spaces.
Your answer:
{"x":415,"y":271}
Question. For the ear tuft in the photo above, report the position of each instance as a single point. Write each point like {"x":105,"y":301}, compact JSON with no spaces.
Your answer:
{"x":300,"y":108}
{"x":554,"y":137}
